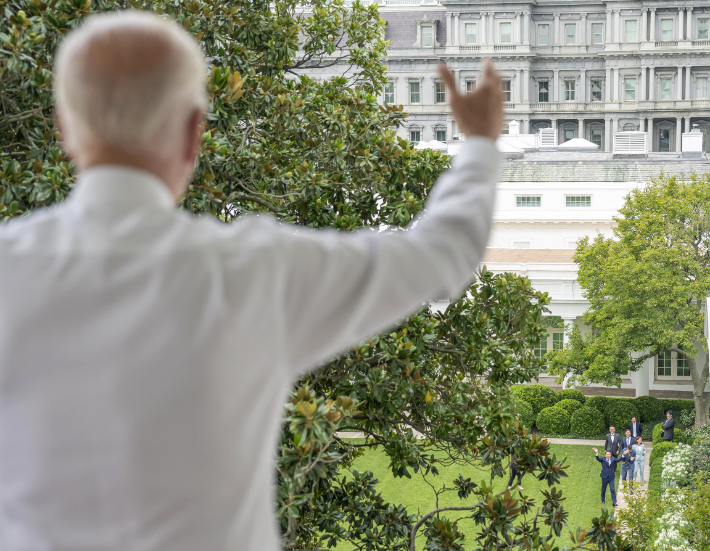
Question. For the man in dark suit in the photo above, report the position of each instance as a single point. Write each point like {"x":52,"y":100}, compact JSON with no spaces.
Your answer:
{"x":668,"y":425}
{"x":635,"y":427}
{"x":627,"y":440}
{"x":608,"y":473}
{"x":613,"y":442}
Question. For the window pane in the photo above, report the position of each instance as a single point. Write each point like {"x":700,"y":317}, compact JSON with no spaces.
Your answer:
{"x":596,"y":137}
{"x":471,"y":33}
{"x":532,"y":201}
{"x":440,"y":95}
{"x":596,"y":90}
{"x":543,"y":35}
{"x":666,"y":29}
{"x":427,"y":37}
{"x":664,"y":140}
{"x":570,"y":90}
{"x":569,"y":134}
{"x":558,"y":340}
{"x":629,"y":89}
{"x":441,"y":135}
{"x":570,"y":35}
{"x":597,"y":37}
{"x":470,"y":86}
{"x":665,"y":88}
{"x":505,"y":87}
{"x":543,"y":91}
{"x":413,"y":92}
{"x":630,"y":30}
{"x":389,"y":93}
{"x":664,"y":364}
{"x":578,"y":201}
{"x":682,"y":366}
{"x":701,"y":87}
{"x":702,"y":29}
{"x":541,"y":348}
{"x":414,"y":135}
{"x":505,"y":33}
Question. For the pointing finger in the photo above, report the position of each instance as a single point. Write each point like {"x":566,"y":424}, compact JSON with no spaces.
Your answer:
{"x":448,"y":78}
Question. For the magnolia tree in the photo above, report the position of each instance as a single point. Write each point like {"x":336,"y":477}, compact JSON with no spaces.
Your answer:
{"x":646,"y":288}
{"x":324,"y":154}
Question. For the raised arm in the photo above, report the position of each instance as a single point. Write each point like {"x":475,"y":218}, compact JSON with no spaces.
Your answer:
{"x":340,"y":288}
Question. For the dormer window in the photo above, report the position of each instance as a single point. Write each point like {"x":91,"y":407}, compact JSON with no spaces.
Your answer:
{"x":427,"y":36}
{"x":426,"y":33}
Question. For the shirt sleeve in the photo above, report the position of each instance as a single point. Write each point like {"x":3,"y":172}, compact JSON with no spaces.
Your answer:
{"x":343,"y":287}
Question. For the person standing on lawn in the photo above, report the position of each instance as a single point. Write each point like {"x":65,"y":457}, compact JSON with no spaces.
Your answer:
{"x":668,"y":425}
{"x":608,"y":473}
{"x":613,"y":442}
{"x":640,"y":462}
{"x":627,"y":467}
{"x":515,"y":472}
{"x":635,"y":427}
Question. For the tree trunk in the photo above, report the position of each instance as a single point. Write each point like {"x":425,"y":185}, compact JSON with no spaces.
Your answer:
{"x":700,"y":380}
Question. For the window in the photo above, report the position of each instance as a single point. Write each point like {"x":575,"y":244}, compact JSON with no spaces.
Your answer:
{"x":554,"y":340}
{"x":471,"y":37}
{"x":666,"y":29}
{"x":665,"y":88}
{"x":570,"y":90}
{"x":595,"y":136}
{"x":506,"y":33}
{"x":470,"y":86}
{"x":558,"y":341}
{"x":569,"y":134}
{"x":541,"y":348}
{"x":543,"y":91}
{"x":570,"y":33}
{"x":672,"y":365}
{"x":415,"y":135}
{"x":630,"y":30}
{"x":701,"y":87}
{"x":543,"y":35}
{"x":389,"y":93}
{"x":597,"y":33}
{"x":596,"y":89}
{"x":439,"y":92}
{"x":440,"y":134}
{"x":664,"y":364}
{"x":629,"y":89}
{"x":528,"y":201}
{"x":505,"y":87}
{"x":578,"y":201}
{"x":427,"y":36}
{"x":703,"y":28}
{"x":664,"y":140}
{"x":414,"y":96}
{"x":682,"y":366}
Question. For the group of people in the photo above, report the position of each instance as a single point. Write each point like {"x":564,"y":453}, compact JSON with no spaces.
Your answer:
{"x":630,"y":451}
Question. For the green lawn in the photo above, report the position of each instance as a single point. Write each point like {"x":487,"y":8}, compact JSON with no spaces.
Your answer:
{"x":581,"y":489}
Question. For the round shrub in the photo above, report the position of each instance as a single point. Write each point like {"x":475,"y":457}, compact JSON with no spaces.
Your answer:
{"x":678,"y":434}
{"x":571,"y":394}
{"x":649,"y":408}
{"x":538,"y":396}
{"x":525,"y":414}
{"x":619,"y":413}
{"x":568,"y":405}
{"x":687,"y":417}
{"x":597,"y":402}
{"x":553,"y":420}
{"x":588,"y":422}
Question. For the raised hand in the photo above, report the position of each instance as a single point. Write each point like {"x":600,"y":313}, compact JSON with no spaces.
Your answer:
{"x":479,"y":113}
{"x":596,"y":451}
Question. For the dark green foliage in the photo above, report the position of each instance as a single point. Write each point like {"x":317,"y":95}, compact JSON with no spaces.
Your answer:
{"x":658,"y":451}
{"x":650,"y":408}
{"x":655,"y":479}
{"x":571,"y":394}
{"x":676,"y":405}
{"x":569,"y":405}
{"x":587,"y":422}
{"x":525,"y":414}
{"x":538,"y":396}
{"x":597,"y":402}
{"x":678,"y":434}
{"x":618,"y":413}
{"x":553,"y":420}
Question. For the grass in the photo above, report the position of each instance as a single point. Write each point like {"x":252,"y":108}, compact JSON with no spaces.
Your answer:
{"x":581,"y":488}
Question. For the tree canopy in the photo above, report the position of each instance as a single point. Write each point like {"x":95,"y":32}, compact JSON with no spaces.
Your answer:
{"x":324,"y":153}
{"x":646,"y":287}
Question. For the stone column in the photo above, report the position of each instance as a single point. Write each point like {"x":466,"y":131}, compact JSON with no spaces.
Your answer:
{"x":644,"y":24}
{"x":556,"y":31}
{"x":582,"y":85}
{"x":608,"y":26}
{"x":491,"y":33}
{"x":553,"y":123}
{"x":651,"y":83}
{"x":607,"y":134}
{"x":688,"y":78}
{"x":457,"y":30}
{"x":617,"y":26}
{"x":615,"y":90}
{"x":526,"y":126}
{"x":483,"y":31}
{"x":526,"y":85}
{"x":680,"y":24}
{"x":679,"y":88}
{"x":583,"y":30}
{"x":555,"y":85}
{"x":526,"y":27}
{"x":448,"y":29}
{"x":677,"y":134}
{"x":607,"y":85}
{"x":517,"y":35}
{"x":653,"y":24}
{"x":642,"y":96}
{"x":614,"y":125}
{"x":581,"y":129}
{"x":689,"y":23}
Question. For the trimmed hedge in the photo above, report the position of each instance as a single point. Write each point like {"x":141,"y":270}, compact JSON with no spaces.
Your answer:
{"x":538,"y":396}
{"x":676,"y":406}
{"x":678,"y":434}
{"x":597,"y":402}
{"x":553,"y":420}
{"x":571,"y":394}
{"x":658,"y":451}
{"x":618,"y":413}
{"x":587,"y":422}
{"x":569,"y":405}
{"x":649,"y":408}
{"x":525,"y":414}
{"x":655,"y":479}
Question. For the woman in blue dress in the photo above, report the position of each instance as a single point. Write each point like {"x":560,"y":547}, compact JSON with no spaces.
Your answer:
{"x":640,"y":461}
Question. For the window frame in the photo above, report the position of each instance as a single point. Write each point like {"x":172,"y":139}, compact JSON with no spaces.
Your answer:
{"x":662,"y":30}
{"x":547,"y":35}
{"x":592,"y":91}
{"x":509,"y":34}
{"x":385,"y":93}
{"x":418,"y":84}
{"x":706,"y":29}
{"x":418,"y":130}
{"x":627,"y":89}
{"x":470,"y":85}
{"x":601,"y":34}
{"x":578,"y":201}
{"x":506,"y":87}
{"x":573,"y":35}
{"x":673,"y":366}
{"x":635,"y":30}
{"x":437,"y":130}
{"x":669,"y":80}
{"x":467,"y":26}
{"x":550,"y":342}
{"x":540,"y":83}
{"x":570,"y":90}
{"x":439,"y":92}
{"x":601,"y":136}
{"x":704,"y":79}
{"x":528,"y":201}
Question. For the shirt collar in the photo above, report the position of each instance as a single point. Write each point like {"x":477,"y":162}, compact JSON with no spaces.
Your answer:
{"x":119,"y":187}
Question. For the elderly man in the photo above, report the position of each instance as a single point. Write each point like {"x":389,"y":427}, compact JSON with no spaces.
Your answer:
{"x":145,"y":353}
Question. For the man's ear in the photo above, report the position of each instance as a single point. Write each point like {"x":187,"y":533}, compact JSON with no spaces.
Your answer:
{"x":195,"y":127}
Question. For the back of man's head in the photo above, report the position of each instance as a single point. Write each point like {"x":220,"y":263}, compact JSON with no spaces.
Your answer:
{"x":130,"y":80}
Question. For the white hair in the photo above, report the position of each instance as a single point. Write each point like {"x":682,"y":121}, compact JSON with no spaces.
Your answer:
{"x":130,"y":79}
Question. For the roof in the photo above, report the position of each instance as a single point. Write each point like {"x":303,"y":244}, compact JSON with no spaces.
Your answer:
{"x":578,"y":143}
{"x":544,"y":256}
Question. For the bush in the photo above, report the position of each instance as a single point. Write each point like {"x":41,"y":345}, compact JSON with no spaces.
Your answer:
{"x":597,"y":402}
{"x":538,"y":396}
{"x":571,"y":394}
{"x":619,"y":413}
{"x":525,"y":414}
{"x":587,"y":422}
{"x":659,"y":451}
{"x":676,"y":406}
{"x":553,"y":420}
{"x":569,"y":405}
{"x":649,"y":408}
{"x":687,"y":417}
{"x":678,"y":435}
{"x":700,"y":450}
{"x":655,"y":479}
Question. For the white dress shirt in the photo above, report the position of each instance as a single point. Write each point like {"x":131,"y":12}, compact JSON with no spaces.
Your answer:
{"x":145,"y":354}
